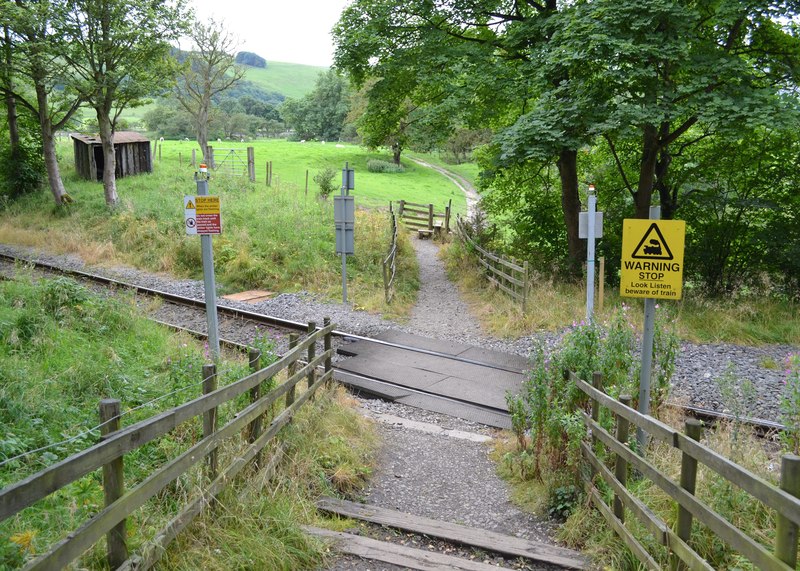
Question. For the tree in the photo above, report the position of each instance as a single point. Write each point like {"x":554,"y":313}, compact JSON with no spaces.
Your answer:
{"x":118,"y":52}
{"x":36,"y":36}
{"x":209,"y":70}
{"x":321,"y":114}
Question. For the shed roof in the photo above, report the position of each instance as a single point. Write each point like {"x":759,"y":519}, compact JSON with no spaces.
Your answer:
{"x":119,"y":137}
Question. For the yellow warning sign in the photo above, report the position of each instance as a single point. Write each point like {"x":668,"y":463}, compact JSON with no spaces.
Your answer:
{"x":652,"y":258}
{"x":207,"y":204}
{"x":189,"y":205}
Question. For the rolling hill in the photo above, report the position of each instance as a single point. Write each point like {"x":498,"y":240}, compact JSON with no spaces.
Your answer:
{"x":291,"y":79}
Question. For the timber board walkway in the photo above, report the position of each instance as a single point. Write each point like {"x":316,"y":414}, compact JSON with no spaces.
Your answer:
{"x":447,"y":377}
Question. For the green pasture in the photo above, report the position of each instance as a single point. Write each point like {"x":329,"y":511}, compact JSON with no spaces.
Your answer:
{"x":291,"y":79}
{"x":290,"y":161}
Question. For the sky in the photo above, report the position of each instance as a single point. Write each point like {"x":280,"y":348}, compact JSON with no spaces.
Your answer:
{"x":294,"y":31}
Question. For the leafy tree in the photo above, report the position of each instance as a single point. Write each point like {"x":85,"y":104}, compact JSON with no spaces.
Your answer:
{"x":209,"y":71}
{"x":118,"y":54}
{"x":321,"y":114}
{"x":36,"y":39}
{"x":251,"y":59}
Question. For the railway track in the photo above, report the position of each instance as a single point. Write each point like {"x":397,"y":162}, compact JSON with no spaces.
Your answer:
{"x":238,"y":325}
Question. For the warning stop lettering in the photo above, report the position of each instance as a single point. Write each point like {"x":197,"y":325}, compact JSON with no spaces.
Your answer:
{"x":202,"y":215}
{"x":652,"y":258}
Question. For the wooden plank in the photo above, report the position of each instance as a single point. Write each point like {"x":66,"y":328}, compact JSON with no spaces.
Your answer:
{"x":644,"y":514}
{"x":782,"y":502}
{"x":680,"y":548}
{"x":484,"y":539}
{"x":394,"y":554}
{"x":653,"y":427}
{"x":729,"y":533}
{"x":626,"y":536}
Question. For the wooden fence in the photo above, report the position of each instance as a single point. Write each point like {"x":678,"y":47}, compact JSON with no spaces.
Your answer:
{"x":108,"y":454}
{"x":423,"y":217}
{"x":390,"y":261}
{"x":783,"y":500}
{"x":508,"y":275}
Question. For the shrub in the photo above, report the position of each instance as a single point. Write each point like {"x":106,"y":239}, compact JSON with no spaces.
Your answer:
{"x":376,"y":165}
{"x":22,"y":169}
{"x":324,"y":180}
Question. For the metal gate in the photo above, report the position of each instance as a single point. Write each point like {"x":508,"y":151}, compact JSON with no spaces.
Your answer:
{"x":230,"y":161}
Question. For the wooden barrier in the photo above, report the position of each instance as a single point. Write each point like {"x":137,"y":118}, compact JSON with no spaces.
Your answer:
{"x":390,"y":261}
{"x":109,"y":453}
{"x":509,"y":276}
{"x":784,"y":499}
{"x":424,"y":217}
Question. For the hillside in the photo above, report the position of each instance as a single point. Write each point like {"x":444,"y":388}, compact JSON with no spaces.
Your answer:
{"x":291,"y":79}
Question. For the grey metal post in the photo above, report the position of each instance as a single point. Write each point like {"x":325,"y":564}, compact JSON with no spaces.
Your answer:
{"x":647,"y":353}
{"x":590,"y":254}
{"x":209,"y":284}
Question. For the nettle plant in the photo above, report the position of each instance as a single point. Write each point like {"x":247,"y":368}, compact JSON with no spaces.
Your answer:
{"x":790,"y":405}
{"x":545,"y":416}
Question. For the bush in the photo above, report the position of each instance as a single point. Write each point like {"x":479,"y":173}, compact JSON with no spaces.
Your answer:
{"x":21,"y":170}
{"x":324,"y":180}
{"x":376,"y":165}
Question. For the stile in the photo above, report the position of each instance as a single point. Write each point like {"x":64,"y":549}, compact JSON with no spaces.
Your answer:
{"x":113,"y":484}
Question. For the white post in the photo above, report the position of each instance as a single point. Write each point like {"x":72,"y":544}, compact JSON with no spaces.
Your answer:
{"x":208,"y":277}
{"x":590,"y":244}
{"x":647,"y":352}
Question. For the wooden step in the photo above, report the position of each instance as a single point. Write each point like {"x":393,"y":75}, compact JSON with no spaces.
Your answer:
{"x":481,"y":538}
{"x":400,"y":555}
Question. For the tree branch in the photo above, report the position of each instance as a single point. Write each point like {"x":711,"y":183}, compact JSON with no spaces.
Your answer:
{"x":619,"y":164}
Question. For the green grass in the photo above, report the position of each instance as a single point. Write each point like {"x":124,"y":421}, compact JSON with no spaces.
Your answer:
{"x":291,"y":79}
{"x":274,"y":238}
{"x":63,"y":348}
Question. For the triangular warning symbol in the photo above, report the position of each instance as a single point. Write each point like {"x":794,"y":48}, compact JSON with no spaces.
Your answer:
{"x":652,"y":246}
{"x":190,"y":205}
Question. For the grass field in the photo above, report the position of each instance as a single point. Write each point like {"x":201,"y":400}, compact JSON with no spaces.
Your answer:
{"x":291,"y":79}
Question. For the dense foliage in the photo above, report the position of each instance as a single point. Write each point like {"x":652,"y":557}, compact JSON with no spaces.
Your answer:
{"x":251,"y":59}
{"x":322,"y":113}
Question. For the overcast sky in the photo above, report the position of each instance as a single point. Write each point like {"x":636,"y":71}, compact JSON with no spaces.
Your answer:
{"x":295,"y":31}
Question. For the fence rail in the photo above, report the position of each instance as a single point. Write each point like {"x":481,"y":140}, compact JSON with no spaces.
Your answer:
{"x":423,"y":216}
{"x":509,"y":276}
{"x":109,"y":453}
{"x":784,"y":499}
{"x":390,"y":261}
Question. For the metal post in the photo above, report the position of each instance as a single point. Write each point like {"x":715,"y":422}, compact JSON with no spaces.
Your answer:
{"x":590,"y":254}
{"x":647,"y":353}
{"x":209,"y":284}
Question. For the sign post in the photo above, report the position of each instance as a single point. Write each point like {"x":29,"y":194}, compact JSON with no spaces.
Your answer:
{"x":344,"y":217}
{"x":652,"y":268}
{"x":590,"y":226}
{"x":202,"y":216}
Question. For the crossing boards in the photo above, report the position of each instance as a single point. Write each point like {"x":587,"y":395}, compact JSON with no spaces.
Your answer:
{"x":202,"y":215}
{"x":652,"y":258}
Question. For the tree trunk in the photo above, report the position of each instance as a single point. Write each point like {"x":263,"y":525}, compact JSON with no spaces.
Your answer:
{"x":396,"y":150}
{"x":202,"y":131}
{"x":49,"y":146}
{"x":571,"y":206}
{"x":668,"y":197}
{"x":109,"y":157}
{"x":647,"y":172}
{"x":11,"y":102}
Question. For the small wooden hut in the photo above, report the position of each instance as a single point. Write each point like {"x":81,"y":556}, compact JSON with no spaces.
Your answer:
{"x":131,"y":148}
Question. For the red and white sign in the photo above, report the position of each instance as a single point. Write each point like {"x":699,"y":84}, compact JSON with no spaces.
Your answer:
{"x":202,"y":215}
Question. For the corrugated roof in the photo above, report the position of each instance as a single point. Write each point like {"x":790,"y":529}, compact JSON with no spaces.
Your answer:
{"x":119,"y":137}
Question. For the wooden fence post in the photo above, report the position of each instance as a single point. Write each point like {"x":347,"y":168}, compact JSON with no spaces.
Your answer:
{"x":270,"y":173}
{"x":620,"y":465}
{"x":254,"y":430}
{"x":312,"y":353}
{"x":597,"y":383}
{"x":447,"y":212}
{"x":159,"y":151}
{"x":683,"y":527}
{"x":194,"y":157}
{"x":786,"y":531}
{"x":525,"y":286}
{"x":306,"y":182}
{"x":113,"y":483}
{"x":328,"y":345}
{"x":210,"y":158}
{"x":251,"y":164}
{"x":430,"y":217}
{"x":292,"y":369}
{"x":180,"y":160}
{"x":402,"y":207}
{"x":210,"y":419}
{"x":266,"y":173}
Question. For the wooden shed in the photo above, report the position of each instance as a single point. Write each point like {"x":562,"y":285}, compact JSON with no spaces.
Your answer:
{"x":131,"y":148}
